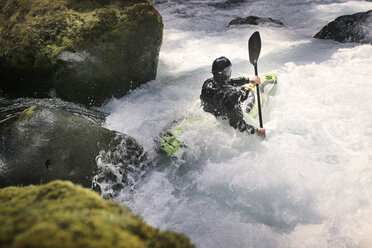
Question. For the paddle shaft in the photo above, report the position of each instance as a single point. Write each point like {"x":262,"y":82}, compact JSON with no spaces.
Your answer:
{"x":258,"y":98}
{"x":254,"y":49}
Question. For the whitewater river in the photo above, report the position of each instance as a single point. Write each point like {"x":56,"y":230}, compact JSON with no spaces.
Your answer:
{"x":309,"y":183}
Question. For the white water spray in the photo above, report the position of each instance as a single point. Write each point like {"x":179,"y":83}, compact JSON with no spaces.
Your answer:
{"x":309,"y":183}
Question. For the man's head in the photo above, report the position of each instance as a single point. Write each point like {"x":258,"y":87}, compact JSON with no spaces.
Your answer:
{"x":221,"y":69}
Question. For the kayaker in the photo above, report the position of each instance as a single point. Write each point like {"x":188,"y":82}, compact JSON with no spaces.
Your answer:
{"x":223,"y":96}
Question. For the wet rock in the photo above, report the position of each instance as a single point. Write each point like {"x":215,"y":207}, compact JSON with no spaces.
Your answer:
{"x":11,"y":108}
{"x":81,"y":51}
{"x":255,"y":20}
{"x":44,"y":144}
{"x":60,"y":214}
{"x":227,"y":4}
{"x":349,"y":28}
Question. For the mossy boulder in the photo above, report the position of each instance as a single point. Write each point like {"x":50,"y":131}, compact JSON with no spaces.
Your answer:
{"x":45,"y":144}
{"x":349,"y":28}
{"x":60,"y":214}
{"x":84,"y":51}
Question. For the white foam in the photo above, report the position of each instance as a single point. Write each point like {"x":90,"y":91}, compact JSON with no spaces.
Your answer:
{"x":308,"y":184}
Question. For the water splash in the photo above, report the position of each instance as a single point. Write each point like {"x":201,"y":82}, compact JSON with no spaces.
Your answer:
{"x":308,"y":184}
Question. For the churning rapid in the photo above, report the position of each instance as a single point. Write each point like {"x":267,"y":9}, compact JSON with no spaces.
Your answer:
{"x":309,"y":183}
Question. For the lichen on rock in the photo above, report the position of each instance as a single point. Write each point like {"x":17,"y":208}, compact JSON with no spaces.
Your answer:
{"x":60,"y":214}
{"x":88,"y":51}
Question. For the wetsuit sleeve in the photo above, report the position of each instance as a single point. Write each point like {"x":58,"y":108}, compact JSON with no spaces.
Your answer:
{"x":230,"y":100}
{"x":249,"y":101}
{"x":235,"y":116}
{"x":239,"y":81}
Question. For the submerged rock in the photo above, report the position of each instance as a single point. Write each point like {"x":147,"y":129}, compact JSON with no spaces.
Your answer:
{"x":60,"y":214}
{"x":226,"y":4}
{"x":44,"y":144}
{"x":255,"y":20}
{"x":349,"y":28}
{"x":82,"y":51}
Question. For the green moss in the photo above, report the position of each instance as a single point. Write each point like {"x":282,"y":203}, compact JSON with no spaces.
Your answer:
{"x":34,"y":25}
{"x":60,"y":214}
{"x":37,"y":23}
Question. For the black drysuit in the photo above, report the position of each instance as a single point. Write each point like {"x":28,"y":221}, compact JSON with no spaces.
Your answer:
{"x":225,"y":100}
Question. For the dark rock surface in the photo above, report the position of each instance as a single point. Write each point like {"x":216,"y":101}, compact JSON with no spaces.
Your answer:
{"x":44,"y":144}
{"x":255,"y":20}
{"x":349,"y":28}
{"x":227,"y":4}
{"x":11,"y":108}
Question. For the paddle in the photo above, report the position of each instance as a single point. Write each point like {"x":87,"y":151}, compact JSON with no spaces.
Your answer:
{"x":254,"y":48}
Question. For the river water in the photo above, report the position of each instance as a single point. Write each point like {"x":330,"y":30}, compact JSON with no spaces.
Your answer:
{"x":309,"y":183}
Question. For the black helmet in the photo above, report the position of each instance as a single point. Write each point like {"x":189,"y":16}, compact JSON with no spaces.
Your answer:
{"x":221,"y":66}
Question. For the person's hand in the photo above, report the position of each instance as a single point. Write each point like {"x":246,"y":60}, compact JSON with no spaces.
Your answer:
{"x":255,"y":80}
{"x":261,"y":132}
